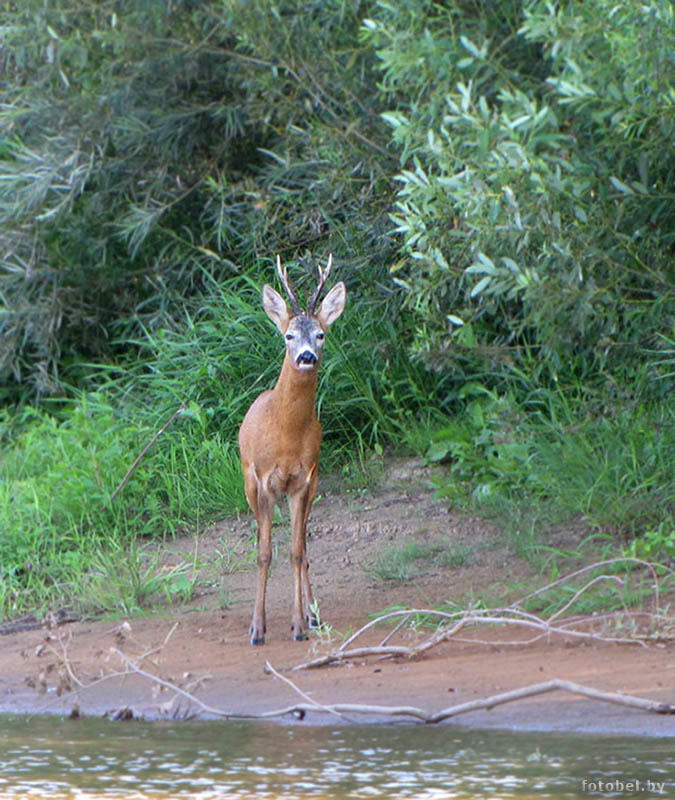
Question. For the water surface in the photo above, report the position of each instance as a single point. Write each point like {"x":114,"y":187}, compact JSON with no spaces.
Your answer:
{"x":45,"y":757}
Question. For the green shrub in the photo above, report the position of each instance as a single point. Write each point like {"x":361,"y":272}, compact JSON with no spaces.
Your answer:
{"x":615,"y":472}
{"x":145,"y":152}
{"x":535,"y":200}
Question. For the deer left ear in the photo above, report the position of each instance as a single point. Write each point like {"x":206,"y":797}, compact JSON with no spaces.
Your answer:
{"x":332,"y":306}
{"x":275,"y":307}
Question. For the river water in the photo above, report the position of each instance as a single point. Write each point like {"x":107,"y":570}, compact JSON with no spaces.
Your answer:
{"x":46,"y":757}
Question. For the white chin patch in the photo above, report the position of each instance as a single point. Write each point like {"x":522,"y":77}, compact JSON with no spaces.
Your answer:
{"x":306,"y":360}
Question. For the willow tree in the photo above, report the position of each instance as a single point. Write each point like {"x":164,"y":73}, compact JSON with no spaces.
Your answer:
{"x":147,"y":145}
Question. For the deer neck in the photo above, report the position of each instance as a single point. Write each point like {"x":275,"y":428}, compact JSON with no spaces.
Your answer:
{"x":295,"y":392}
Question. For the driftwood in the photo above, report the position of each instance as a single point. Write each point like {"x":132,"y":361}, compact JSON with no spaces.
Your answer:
{"x":341,"y":709}
{"x":451,"y":624}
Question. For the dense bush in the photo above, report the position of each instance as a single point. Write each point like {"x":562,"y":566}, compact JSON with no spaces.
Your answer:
{"x":535,"y":202}
{"x":495,"y":181}
{"x":148,"y":145}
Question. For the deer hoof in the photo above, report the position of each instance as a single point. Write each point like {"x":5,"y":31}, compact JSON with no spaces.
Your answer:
{"x":300,"y":636}
{"x":256,"y":638}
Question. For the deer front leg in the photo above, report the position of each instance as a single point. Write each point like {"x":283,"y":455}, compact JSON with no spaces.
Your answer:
{"x":262,"y":505}
{"x":258,"y":622}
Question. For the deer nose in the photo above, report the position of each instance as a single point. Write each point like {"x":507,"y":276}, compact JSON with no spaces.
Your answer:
{"x":306,"y":357}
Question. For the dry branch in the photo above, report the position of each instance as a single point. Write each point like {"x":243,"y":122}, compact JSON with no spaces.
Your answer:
{"x":139,"y":457}
{"x":551,"y":686}
{"x":596,"y":565}
{"x":411,"y":711}
{"x":513,"y":615}
{"x":270,"y":669}
{"x":132,"y":666}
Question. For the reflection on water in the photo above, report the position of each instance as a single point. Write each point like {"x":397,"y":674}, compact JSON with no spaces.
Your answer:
{"x":51,"y":758}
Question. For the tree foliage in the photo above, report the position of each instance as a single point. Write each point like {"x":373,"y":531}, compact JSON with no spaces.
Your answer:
{"x":536,"y":190}
{"x":523,"y":152}
{"x":148,"y":144}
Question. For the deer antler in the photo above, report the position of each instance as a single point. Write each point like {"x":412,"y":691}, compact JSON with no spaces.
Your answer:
{"x":323,"y":277}
{"x":283,"y":277}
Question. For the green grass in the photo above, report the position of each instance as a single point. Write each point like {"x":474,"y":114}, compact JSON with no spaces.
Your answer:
{"x":60,"y":528}
{"x":532,"y":459}
{"x":533,"y":470}
{"x":415,"y":557}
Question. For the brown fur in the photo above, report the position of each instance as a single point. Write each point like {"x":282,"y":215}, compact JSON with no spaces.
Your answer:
{"x":279,"y":443}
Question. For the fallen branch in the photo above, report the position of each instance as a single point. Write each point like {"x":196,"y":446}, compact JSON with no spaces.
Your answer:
{"x":139,"y":458}
{"x":487,"y":703}
{"x":132,"y":666}
{"x":270,"y":669}
{"x":550,"y":686}
{"x":491,"y":617}
{"x":513,"y":615}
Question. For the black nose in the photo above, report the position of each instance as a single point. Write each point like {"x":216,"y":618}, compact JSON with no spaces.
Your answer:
{"x":306,"y":357}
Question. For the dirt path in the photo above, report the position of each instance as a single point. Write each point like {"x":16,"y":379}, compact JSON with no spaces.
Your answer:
{"x":356,"y":538}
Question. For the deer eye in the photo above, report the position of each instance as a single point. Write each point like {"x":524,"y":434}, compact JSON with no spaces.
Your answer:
{"x":320,"y":336}
{"x":289,"y":336}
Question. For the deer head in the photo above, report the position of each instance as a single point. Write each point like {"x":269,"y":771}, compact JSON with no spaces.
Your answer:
{"x":304,"y":332}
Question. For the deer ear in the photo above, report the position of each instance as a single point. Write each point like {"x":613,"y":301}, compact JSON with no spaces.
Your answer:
{"x":275,"y":307}
{"x":332,"y":306}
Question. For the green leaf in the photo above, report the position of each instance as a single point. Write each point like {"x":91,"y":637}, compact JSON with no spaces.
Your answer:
{"x":511,"y":265}
{"x":438,"y":451}
{"x":620,"y":185}
{"x":467,"y":44}
{"x":483,"y":283}
{"x":485,"y":266}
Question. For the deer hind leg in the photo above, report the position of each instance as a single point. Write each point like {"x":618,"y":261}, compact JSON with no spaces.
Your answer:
{"x":262,"y":504}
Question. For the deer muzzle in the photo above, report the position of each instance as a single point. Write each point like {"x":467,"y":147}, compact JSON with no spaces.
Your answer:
{"x":306,"y":359}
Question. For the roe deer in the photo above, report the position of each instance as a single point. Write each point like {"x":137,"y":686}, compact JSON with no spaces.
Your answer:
{"x":280,"y":437}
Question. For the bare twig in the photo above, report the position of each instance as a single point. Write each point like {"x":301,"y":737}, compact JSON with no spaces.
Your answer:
{"x":395,"y":630}
{"x":270,"y":669}
{"x":493,"y":617}
{"x":406,"y":613}
{"x":566,"y":578}
{"x":511,"y":615}
{"x":161,"y":646}
{"x":615,"y":578}
{"x":133,"y":667}
{"x":139,"y":458}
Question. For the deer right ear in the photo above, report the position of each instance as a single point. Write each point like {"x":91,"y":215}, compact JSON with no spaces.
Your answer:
{"x":332,"y":306}
{"x":275,"y":307}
